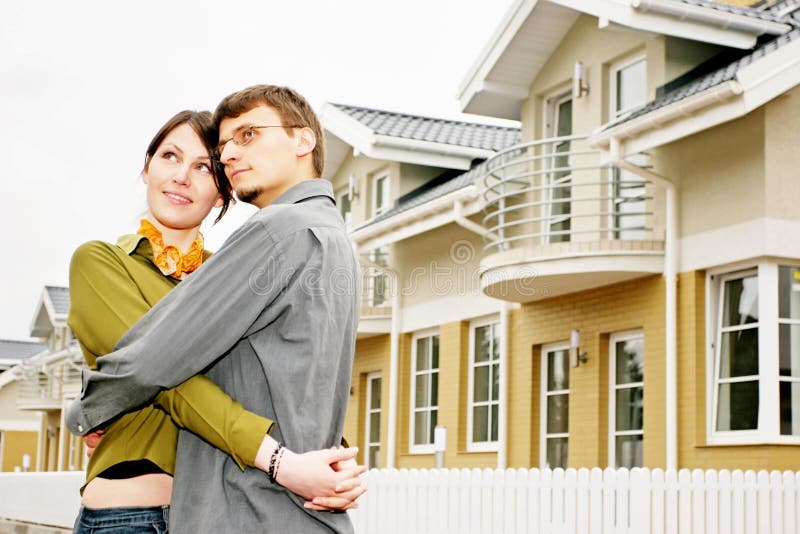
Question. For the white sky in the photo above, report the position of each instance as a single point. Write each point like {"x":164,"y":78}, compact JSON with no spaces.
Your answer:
{"x":85,"y":84}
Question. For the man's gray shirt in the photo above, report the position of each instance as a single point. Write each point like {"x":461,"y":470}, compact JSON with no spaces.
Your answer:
{"x":271,"y":318}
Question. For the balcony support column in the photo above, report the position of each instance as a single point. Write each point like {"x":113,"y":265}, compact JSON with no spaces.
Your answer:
{"x":502,"y":422}
{"x":671,"y":292}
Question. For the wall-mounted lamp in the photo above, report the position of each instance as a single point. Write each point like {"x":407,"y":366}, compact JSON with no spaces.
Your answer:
{"x":352,"y":187}
{"x":580,"y":85}
{"x":576,"y":357}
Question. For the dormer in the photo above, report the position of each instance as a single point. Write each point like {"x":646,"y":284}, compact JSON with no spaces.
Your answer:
{"x":50,"y":318}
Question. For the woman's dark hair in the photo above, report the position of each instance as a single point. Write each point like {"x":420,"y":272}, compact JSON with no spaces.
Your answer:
{"x":203,"y":125}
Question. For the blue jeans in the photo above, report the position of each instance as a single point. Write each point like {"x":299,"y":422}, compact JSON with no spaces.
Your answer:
{"x":133,"y":520}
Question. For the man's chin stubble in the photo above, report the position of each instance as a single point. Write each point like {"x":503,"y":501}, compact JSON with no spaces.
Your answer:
{"x":248,"y":195}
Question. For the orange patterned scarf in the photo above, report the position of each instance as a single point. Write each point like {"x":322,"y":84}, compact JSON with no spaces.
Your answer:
{"x":169,"y":259}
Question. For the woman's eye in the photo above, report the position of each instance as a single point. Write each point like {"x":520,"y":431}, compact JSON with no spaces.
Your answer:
{"x":204,"y":167}
{"x":171,"y":156}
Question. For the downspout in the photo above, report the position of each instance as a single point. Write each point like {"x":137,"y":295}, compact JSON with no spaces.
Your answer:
{"x":502,"y":422}
{"x":671,"y":282}
{"x":394,"y":356}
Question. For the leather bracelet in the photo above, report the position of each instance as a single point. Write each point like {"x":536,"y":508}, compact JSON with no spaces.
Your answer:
{"x":272,"y":462}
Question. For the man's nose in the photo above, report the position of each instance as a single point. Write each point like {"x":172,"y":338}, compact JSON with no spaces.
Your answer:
{"x":230,"y":153}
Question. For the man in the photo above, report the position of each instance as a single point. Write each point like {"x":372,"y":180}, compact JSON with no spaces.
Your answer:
{"x":279,"y":302}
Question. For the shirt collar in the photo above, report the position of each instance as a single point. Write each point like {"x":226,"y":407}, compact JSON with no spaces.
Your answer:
{"x":304,"y":190}
{"x":130,"y":243}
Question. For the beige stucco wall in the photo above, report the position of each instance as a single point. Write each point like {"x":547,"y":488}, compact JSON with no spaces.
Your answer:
{"x":8,"y":405}
{"x":782,"y":156}
{"x":364,"y":169}
{"x":716,"y":170}
{"x":413,"y":176}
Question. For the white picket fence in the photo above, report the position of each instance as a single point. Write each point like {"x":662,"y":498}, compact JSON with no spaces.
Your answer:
{"x":579,"y":501}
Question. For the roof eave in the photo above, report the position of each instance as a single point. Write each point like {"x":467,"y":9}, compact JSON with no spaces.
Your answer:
{"x":482,"y":94}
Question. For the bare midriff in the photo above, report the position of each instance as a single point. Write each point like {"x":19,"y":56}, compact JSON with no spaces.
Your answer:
{"x":145,"y":490}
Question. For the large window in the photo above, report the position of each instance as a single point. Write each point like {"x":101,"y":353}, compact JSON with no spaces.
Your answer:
{"x":755,"y":371}
{"x":372,"y":423}
{"x":626,"y":410}
{"x":560,"y":187}
{"x":377,"y":281}
{"x":424,"y":391}
{"x":628,"y":92}
{"x":484,"y":380}
{"x":554,"y":450}
{"x":380,"y":194}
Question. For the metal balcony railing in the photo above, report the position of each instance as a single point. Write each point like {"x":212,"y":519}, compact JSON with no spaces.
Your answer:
{"x":42,"y":384}
{"x":558,"y":190}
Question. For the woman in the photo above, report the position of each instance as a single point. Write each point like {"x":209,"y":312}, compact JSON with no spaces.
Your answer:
{"x":129,"y":476}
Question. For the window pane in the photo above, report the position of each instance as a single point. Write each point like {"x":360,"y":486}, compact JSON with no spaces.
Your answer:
{"x":421,"y":428}
{"x":790,"y":408}
{"x":629,"y":451}
{"x":557,"y":453}
{"x":375,"y":397}
{"x":630,"y":408}
{"x":632,"y":86}
{"x":630,"y":361}
{"x":790,"y":349}
{"x":495,"y":418}
{"x":482,"y":343}
{"x":480,"y":423}
{"x":375,"y":427}
{"x":738,"y":406}
{"x":496,"y":341}
{"x":435,"y":352}
{"x":741,"y":301}
{"x":495,"y":381}
{"x":562,"y":226}
{"x":789,"y":292}
{"x":423,"y":360}
{"x":421,"y":393}
{"x":564,"y":119}
{"x":481,"y":384}
{"x":434,"y":414}
{"x":344,"y":205}
{"x":435,"y":388}
{"x":557,"y":414}
{"x":374,"y":454}
{"x":557,"y":370}
{"x":739,"y":353}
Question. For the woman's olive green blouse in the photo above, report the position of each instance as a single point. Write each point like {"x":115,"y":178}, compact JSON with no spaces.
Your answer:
{"x":112,"y":287}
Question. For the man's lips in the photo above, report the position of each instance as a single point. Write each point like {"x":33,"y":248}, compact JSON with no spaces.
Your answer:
{"x":177,"y":198}
{"x":235,"y":172}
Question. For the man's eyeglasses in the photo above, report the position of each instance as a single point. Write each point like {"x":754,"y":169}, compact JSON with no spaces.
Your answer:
{"x":244,"y":135}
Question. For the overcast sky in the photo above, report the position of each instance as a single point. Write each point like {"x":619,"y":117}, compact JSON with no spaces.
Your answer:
{"x":85,"y":84}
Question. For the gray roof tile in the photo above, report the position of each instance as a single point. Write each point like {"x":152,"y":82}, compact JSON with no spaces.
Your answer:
{"x":712,"y":79}
{"x":59,"y":296}
{"x":19,"y":350}
{"x":473,"y":135}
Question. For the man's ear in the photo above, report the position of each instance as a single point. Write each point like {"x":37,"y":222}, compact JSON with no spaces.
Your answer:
{"x":306,"y":142}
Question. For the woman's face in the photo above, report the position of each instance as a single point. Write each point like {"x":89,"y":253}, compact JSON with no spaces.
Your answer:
{"x":180,"y":184}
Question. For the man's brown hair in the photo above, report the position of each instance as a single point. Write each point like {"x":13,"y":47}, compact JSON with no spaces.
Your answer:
{"x":292,"y":108}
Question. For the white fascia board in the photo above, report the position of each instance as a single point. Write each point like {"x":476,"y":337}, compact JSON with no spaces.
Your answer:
{"x":726,"y":20}
{"x":474,"y":81}
{"x":622,"y":12}
{"x":20,"y":425}
{"x":8,"y":376}
{"x":346,"y":128}
{"x":417,"y":220}
{"x":754,"y":86}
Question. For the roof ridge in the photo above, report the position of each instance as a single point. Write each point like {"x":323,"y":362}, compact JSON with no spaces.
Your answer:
{"x":425,"y":117}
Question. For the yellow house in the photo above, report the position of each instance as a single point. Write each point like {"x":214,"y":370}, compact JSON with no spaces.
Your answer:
{"x":621,"y":288}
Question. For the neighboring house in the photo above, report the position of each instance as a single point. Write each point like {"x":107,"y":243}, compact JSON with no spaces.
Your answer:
{"x":19,"y":430}
{"x":43,"y":380}
{"x":640,"y":247}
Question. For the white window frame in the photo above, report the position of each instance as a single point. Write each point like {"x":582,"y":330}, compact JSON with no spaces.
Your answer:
{"x":479,"y":446}
{"x":412,"y":447}
{"x":368,"y":411}
{"x":543,"y":435}
{"x":550,"y":114}
{"x":373,"y":274}
{"x":613,"y":70}
{"x":768,"y":354}
{"x":376,"y":209}
{"x":639,"y":159}
{"x":613,"y":433}
{"x":349,"y":215}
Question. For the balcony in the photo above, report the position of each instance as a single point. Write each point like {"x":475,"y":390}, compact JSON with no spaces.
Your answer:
{"x":47,"y":379}
{"x":560,"y":220}
{"x":376,"y":310}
